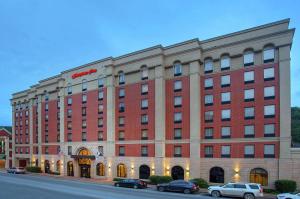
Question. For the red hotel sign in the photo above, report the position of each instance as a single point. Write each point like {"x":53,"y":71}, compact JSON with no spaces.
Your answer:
{"x":75,"y":75}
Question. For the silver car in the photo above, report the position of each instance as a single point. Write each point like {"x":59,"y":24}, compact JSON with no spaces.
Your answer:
{"x":16,"y":170}
{"x":288,"y":196}
{"x":243,"y":190}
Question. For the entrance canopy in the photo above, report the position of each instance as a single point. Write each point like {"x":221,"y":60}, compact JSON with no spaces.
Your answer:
{"x":92,"y":157}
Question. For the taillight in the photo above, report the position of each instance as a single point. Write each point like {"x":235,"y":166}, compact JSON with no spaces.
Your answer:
{"x":261,"y":190}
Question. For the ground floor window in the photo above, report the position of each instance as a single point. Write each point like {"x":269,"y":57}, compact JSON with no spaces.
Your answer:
{"x":58,"y":166}
{"x":70,"y":168}
{"x":121,"y":171}
{"x":259,"y":175}
{"x":100,"y":169}
{"x":216,"y":175}
{"x":177,"y":173}
{"x":144,"y":172}
{"x":47,"y":166}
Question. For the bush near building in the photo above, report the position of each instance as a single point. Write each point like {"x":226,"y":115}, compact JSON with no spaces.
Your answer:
{"x":285,"y":186}
{"x":34,"y":169}
{"x":200,"y":182}
{"x":160,"y":179}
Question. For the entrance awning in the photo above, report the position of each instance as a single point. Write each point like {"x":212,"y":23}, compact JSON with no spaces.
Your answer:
{"x":92,"y":157}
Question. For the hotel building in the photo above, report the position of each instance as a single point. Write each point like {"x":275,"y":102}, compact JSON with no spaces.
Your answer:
{"x":218,"y":109}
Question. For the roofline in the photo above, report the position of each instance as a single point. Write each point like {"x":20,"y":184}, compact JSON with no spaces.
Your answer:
{"x":3,"y":128}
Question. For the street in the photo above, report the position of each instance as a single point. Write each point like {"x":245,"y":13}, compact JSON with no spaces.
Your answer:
{"x":14,"y":186}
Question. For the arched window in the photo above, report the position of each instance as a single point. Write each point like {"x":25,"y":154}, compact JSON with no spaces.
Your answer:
{"x":100,"y":169}
{"x":121,"y":77}
{"x":121,"y":171}
{"x":47,"y":166}
{"x":248,"y":58}
{"x":58,"y":166}
{"x":144,"y":172}
{"x":216,"y":175}
{"x":177,"y":67}
{"x":208,"y":65}
{"x":144,"y":72}
{"x":225,"y":62}
{"x":259,"y":175}
{"x":177,"y":173}
{"x":70,"y":168}
{"x":268,"y":54}
{"x":84,"y":85}
{"x":69,"y":89}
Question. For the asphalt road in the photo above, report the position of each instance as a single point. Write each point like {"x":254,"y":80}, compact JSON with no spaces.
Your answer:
{"x":14,"y":186}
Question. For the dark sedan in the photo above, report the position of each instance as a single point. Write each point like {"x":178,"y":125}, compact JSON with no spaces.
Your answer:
{"x":178,"y":186}
{"x":131,"y":183}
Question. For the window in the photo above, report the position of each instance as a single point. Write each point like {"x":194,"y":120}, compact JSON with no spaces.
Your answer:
{"x":121,"y":121}
{"x":208,"y":100}
{"x":100,"y":95}
{"x":269,"y":151}
{"x":101,"y":82}
{"x":83,"y":136}
{"x":121,"y":150}
{"x":121,"y":107}
{"x":208,"y":151}
{"x":269,"y":92}
{"x":26,"y":113}
{"x":225,"y":80}
{"x":69,"y":113}
{"x":26,"y":140}
{"x":144,"y":72}
{"x":144,"y":151}
{"x":226,"y":132}
{"x":121,"y":78}
{"x":209,"y":116}
{"x":226,"y":115}
{"x":69,"y":137}
{"x":46,"y":107}
{"x":144,"y":103}
{"x":225,"y":152}
{"x":225,"y":98}
{"x":84,"y":85}
{"x":144,"y":90}
{"x":100,"y":168}
{"x":249,"y":151}
{"x":177,"y":101}
{"x":209,"y":133}
{"x":177,"y":117}
{"x":248,"y":58}
{"x":269,"y":130}
{"x":69,"y":101}
{"x":208,"y":83}
{"x":249,"y":113}
{"x":100,"y":135}
{"x":84,"y":98}
{"x":46,"y":150}
{"x":46,"y":97}
{"x":121,"y":135}
{"x":100,"y":150}
{"x":100,"y":108}
{"x":100,"y":122}
{"x":83,"y":111}
{"x":177,"y":85}
{"x":208,"y":65}
{"x":249,"y":131}
{"x":46,"y":118}
{"x":69,"y":125}
{"x":69,"y":89}
{"x":121,"y":92}
{"x":249,"y":95}
{"x":144,"y":119}
{"x":177,"y":68}
{"x":177,"y":133}
{"x":225,"y":62}
{"x":216,"y":175}
{"x":144,"y":134}
{"x":269,"y":111}
{"x":177,"y":151}
{"x":249,"y":77}
{"x":269,"y":74}
{"x":269,"y":54}
{"x":83,"y":124}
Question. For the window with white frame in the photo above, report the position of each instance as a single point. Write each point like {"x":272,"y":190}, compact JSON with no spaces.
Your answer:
{"x":248,"y":58}
{"x":208,"y":83}
{"x":121,"y":77}
{"x":225,"y":98}
{"x":269,"y":74}
{"x":208,"y":65}
{"x":84,"y":98}
{"x":269,"y":111}
{"x":249,"y":113}
{"x":249,"y":151}
{"x":269,"y":54}
{"x":177,"y":117}
{"x":226,"y":114}
{"x":209,"y":116}
{"x":269,"y":92}
{"x":144,"y":103}
{"x":225,"y":62}
{"x":144,"y":89}
{"x":249,"y":95}
{"x":177,"y":67}
{"x":69,"y":101}
{"x":225,"y":151}
{"x":249,"y":77}
{"x":121,"y":92}
{"x":177,"y":85}
{"x":84,"y":85}
{"x":225,"y":80}
{"x":209,"y":133}
{"x":208,"y":100}
{"x":226,"y":132}
{"x":100,"y":95}
{"x":269,"y":130}
{"x":177,"y":101}
{"x":269,"y":150}
{"x":249,"y":131}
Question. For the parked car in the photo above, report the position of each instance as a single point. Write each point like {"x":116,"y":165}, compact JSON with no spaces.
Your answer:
{"x":131,"y":183}
{"x":16,"y":170}
{"x":243,"y":190}
{"x":178,"y":186}
{"x":288,"y":196}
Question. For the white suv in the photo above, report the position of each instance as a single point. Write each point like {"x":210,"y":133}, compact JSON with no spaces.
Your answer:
{"x":243,"y":190}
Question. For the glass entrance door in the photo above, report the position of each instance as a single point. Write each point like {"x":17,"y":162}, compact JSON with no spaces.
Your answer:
{"x":85,"y":171}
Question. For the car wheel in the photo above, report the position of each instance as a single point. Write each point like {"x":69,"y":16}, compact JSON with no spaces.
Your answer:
{"x":135,"y":186}
{"x":187,"y":191}
{"x":161,"y":189}
{"x":215,"y":194}
{"x":249,"y":196}
{"x":117,"y":185}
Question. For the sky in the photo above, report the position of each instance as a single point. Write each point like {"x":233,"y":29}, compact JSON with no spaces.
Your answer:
{"x":41,"y":38}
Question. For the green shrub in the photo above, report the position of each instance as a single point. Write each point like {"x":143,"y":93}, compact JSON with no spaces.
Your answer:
{"x":34,"y":169}
{"x":271,"y":191}
{"x":118,"y":179}
{"x":200,"y":182}
{"x":285,"y":186}
{"x":160,"y":179}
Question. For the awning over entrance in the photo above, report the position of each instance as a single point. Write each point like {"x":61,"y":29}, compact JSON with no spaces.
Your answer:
{"x":92,"y":157}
